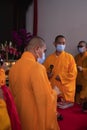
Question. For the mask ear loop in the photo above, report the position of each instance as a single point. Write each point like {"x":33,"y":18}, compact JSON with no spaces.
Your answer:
{"x":42,"y":59}
{"x":36,"y":51}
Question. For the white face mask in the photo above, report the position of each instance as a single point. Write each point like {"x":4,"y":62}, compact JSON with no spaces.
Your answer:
{"x":60,"y":47}
{"x":82,"y":49}
{"x":42,"y":59}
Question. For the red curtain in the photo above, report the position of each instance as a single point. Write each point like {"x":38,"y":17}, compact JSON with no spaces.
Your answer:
{"x":35,"y":18}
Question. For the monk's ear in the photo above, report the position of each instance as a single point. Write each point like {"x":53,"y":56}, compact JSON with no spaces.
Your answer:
{"x":36,"y":48}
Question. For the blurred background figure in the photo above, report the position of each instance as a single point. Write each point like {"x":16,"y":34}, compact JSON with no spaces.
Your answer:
{"x":5,"y":123}
{"x":9,"y":119}
{"x":81,"y":81}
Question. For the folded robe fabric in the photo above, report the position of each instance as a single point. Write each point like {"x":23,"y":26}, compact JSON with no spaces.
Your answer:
{"x":5,"y":123}
{"x":15,"y":122}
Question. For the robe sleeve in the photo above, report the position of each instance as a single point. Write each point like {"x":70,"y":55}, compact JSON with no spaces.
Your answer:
{"x":84,"y":72}
{"x":70,"y":74}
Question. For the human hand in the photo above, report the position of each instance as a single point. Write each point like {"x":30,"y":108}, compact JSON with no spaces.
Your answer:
{"x":50,"y":75}
{"x":57,"y":90}
{"x":80,"y":68}
{"x":58,"y":78}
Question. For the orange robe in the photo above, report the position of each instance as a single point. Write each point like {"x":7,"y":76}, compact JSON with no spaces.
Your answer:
{"x":82,"y":76}
{"x":65,"y":68}
{"x":34,"y":97}
{"x":2,"y":77}
{"x":4,"y":117}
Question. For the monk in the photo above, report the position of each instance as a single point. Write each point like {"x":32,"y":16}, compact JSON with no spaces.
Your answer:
{"x":33,"y":94}
{"x":61,"y":70}
{"x":81,"y":81}
{"x":9,"y":119}
{"x":4,"y":117}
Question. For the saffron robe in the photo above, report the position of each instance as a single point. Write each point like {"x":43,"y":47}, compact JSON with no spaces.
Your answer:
{"x":4,"y":117}
{"x":11,"y":108}
{"x":65,"y":68}
{"x":2,"y":77}
{"x":9,"y":119}
{"x":81,"y":60}
{"x":34,"y":97}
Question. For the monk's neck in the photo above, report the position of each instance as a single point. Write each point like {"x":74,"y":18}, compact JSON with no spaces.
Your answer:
{"x":58,"y":53}
{"x":82,"y":54}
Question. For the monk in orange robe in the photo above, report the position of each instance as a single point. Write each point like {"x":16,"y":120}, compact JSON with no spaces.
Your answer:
{"x":4,"y":117}
{"x":61,"y":70}
{"x":33,"y":94}
{"x":81,"y":81}
{"x":9,"y":119}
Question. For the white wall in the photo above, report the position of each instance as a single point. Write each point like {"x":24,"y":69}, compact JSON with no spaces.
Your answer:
{"x":67,"y":17}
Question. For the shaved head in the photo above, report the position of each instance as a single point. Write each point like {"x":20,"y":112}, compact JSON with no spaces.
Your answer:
{"x":36,"y":46}
{"x":34,"y":42}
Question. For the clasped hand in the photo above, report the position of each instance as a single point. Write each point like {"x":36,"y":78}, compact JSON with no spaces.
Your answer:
{"x":58,"y":78}
{"x":80,"y":68}
{"x":50,"y":75}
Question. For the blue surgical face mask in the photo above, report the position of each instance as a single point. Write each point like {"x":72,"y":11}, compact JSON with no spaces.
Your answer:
{"x":60,"y":48}
{"x":82,"y":49}
{"x":42,"y":59}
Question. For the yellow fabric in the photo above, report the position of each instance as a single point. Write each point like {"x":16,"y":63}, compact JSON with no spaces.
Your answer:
{"x":4,"y":118}
{"x":34,"y":97}
{"x":2,"y":77}
{"x":81,"y":60}
{"x":65,"y":67}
